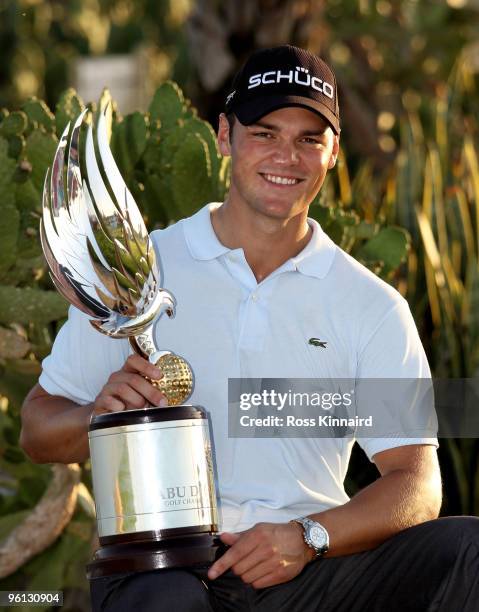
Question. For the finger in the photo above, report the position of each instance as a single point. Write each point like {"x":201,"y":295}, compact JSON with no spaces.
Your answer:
{"x":107,"y":404}
{"x":229,"y":538}
{"x":126,"y":394}
{"x":138,"y":364}
{"x":247,"y":564}
{"x":149,"y":392}
{"x":242,"y":547}
{"x":259,"y":571}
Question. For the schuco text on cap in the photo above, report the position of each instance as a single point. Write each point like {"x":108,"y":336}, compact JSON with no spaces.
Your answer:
{"x":283,"y":76}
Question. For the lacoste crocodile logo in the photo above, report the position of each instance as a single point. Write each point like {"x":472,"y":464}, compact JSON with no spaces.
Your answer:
{"x":317,"y":342}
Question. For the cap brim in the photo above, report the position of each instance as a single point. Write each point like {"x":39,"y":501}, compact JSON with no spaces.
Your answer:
{"x":249,"y":112}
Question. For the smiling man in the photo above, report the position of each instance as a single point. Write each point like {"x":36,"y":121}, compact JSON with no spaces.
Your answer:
{"x":255,"y":280}
{"x":279,"y":163}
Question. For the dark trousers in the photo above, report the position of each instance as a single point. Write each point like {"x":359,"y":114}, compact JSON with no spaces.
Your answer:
{"x":432,"y":567}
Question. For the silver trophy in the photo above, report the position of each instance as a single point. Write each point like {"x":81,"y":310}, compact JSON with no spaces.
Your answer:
{"x":152,"y":469}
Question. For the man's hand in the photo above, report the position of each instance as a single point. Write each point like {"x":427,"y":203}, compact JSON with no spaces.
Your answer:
{"x":128,"y":388}
{"x":265,"y":555}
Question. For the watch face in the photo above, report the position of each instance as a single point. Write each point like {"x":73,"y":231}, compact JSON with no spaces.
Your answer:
{"x":317,"y":536}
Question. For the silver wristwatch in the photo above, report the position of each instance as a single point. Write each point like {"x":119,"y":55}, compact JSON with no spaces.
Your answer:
{"x":315,"y":535}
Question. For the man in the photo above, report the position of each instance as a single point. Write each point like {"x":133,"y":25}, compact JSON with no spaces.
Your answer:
{"x":255,"y":280}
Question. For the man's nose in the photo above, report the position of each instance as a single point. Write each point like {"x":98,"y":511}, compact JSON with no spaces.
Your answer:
{"x":285,"y":153}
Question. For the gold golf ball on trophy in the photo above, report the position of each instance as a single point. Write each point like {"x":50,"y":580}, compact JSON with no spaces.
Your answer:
{"x":177,"y":380}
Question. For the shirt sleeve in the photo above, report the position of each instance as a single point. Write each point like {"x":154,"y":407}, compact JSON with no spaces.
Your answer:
{"x":402,"y":403}
{"x":81,"y":360}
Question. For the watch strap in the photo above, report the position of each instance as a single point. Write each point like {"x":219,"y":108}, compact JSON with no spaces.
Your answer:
{"x":305,"y":523}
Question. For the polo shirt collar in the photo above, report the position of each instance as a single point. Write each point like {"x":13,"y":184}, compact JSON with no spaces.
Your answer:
{"x":314,"y":260}
{"x":200,"y":236}
{"x":317,"y":256}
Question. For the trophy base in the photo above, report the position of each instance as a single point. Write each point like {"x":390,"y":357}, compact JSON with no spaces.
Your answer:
{"x":143,"y":556}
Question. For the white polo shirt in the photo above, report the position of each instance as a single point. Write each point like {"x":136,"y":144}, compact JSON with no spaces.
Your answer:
{"x":229,"y":326}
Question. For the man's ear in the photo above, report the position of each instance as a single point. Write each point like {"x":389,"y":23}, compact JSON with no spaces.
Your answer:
{"x":224,"y":143}
{"x":334,"y":153}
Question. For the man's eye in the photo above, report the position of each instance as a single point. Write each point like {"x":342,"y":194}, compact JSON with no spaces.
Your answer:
{"x":309,"y":140}
{"x":263,"y":134}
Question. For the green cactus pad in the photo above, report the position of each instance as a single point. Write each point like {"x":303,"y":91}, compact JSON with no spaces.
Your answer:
{"x":14,"y":124}
{"x":40,"y":149}
{"x":7,"y":168}
{"x":129,"y":142}
{"x":168,"y":105}
{"x":25,"y":305}
{"x":16,"y":145}
{"x":68,"y":108}
{"x":28,"y":201}
{"x":190,"y":192}
{"x":390,"y":246}
{"x":8,"y":236}
{"x":204,"y":129}
{"x":39,"y":114}
{"x":159,"y":204}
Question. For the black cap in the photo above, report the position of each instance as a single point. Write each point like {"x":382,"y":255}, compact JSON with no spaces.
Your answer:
{"x":283,"y":76}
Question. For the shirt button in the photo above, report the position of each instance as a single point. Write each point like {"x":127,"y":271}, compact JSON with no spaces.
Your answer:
{"x":254,"y":297}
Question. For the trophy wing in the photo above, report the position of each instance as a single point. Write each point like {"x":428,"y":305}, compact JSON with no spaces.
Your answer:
{"x":64,"y":236}
{"x":93,"y":235}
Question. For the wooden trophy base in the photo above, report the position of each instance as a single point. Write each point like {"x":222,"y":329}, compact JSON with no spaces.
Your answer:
{"x":123,"y":557}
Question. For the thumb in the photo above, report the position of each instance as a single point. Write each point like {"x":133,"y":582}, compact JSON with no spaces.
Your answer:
{"x":229,"y":538}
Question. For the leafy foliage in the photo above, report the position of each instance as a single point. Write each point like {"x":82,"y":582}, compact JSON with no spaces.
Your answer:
{"x":440,"y":207}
